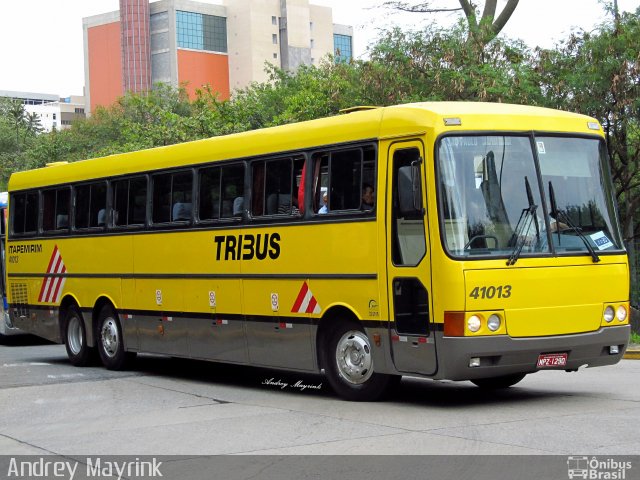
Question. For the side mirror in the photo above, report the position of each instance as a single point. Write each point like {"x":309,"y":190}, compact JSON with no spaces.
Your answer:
{"x":410,"y":191}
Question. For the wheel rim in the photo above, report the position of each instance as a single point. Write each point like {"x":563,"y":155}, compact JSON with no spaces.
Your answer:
{"x":75,"y":335}
{"x":353,"y":357}
{"x":109,"y":336}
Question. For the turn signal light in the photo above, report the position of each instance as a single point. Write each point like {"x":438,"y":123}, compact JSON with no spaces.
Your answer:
{"x":454,"y":324}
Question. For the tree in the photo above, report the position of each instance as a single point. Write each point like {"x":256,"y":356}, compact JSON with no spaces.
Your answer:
{"x":599,"y":74}
{"x":437,"y":64}
{"x":481,"y":29}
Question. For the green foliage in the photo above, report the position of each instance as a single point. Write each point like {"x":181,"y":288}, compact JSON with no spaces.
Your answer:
{"x":599,"y":74}
{"x":443,"y":64}
{"x":18,"y":130}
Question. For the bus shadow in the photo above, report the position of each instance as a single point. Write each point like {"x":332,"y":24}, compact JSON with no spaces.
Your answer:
{"x":411,"y":390}
{"x":23,"y":340}
{"x":430,"y":393}
{"x":237,"y":376}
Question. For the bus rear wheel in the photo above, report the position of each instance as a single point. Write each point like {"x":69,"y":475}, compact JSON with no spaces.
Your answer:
{"x":349,"y":365}
{"x":75,"y":336}
{"x":496,"y":383}
{"x":111,"y":341}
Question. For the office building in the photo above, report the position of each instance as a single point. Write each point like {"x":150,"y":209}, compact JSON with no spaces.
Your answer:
{"x":185,"y":42}
{"x":54,"y":112}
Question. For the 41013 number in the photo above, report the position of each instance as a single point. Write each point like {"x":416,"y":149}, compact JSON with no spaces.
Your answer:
{"x":501,"y":291}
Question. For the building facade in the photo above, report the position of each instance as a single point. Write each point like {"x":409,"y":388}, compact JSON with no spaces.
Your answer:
{"x":54,"y":112}
{"x":193,"y":43}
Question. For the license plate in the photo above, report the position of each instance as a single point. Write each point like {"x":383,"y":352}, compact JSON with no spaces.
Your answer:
{"x":552,"y":360}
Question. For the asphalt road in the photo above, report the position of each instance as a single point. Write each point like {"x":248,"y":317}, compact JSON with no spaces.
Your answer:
{"x":167,"y":406}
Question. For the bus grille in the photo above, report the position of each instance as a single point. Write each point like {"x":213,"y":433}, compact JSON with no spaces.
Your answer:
{"x":20,"y":299}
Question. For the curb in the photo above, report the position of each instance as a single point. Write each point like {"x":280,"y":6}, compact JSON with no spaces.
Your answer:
{"x":632,"y":354}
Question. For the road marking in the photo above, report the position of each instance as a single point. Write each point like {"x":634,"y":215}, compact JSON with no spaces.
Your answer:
{"x":66,"y":375}
{"x":32,"y":364}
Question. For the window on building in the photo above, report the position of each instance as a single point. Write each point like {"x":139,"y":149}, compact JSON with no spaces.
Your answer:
{"x":201,"y":32}
{"x":274,"y":39}
{"x":311,"y":26}
{"x":275,"y":55}
{"x":274,"y":20}
{"x":312,"y":43}
{"x":342,"y":48}
{"x":79,"y":110}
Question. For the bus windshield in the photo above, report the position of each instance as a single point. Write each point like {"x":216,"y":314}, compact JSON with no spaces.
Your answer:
{"x":492,"y":200}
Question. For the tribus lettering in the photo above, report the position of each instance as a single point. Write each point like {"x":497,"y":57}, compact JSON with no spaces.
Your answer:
{"x":247,"y":247}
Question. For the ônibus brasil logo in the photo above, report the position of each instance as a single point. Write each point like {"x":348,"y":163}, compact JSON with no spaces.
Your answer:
{"x":597,"y":469}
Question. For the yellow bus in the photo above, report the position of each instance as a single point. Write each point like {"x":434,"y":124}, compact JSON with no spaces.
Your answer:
{"x":460,"y":241}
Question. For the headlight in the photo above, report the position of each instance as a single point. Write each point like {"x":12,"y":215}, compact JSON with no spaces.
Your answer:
{"x":609,"y":313}
{"x":474,"y":323}
{"x":494,"y":322}
{"x":621,"y":313}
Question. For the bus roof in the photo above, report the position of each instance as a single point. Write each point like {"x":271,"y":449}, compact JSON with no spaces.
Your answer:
{"x":370,"y":123}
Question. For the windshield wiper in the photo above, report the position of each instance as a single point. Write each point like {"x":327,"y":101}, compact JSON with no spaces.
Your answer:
{"x":527,"y":216}
{"x":556,"y":213}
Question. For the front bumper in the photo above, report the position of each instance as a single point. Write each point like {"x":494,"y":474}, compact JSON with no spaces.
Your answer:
{"x":503,"y":355}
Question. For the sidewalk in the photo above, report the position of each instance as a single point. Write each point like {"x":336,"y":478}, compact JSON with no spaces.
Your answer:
{"x":633,"y":352}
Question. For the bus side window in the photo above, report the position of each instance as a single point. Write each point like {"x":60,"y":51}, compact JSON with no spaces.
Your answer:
{"x":275,"y":186}
{"x":90,"y":201}
{"x":342,"y":175}
{"x":55,"y":209}
{"x":172,"y":197}
{"x":137,"y":201}
{"x":82,"y":201}
{"x":209,"y":197}
{"x":181,"y":192}
{"x":98,"y":204}
{"x":25,"y":213}
{"x":232,"y":179}
{"x":129,"y":202}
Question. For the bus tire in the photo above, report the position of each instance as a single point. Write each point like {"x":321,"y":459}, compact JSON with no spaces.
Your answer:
{"x":349,"y":365}
{"x":111,"y":341}
{"x":496,"y":383}
{"x":75,"y":338}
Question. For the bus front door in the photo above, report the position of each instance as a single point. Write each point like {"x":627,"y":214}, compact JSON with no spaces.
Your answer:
{"x":413,"y":347}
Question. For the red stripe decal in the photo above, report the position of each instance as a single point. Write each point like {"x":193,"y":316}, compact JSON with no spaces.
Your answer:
{"x":301,"y":295}
{"x":54,"y":282}
{"x":312,"y":305}
{"x":44,"y":280}
{"x":59,"y":282}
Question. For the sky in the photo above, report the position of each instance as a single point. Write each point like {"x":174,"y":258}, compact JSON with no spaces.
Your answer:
{"x":41,"y":40}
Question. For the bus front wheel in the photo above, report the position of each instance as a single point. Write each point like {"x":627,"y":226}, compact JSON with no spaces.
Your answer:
{"x":349,"y":365}
{"x":495,"y":383}
{"x":111,"y":341}
{"x":75,"y":336}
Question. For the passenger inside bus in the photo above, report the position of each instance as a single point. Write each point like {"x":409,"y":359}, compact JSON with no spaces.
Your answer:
{"x":181,"y":211}
{"x":367,"y":197}
{"x":325,"y":204}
